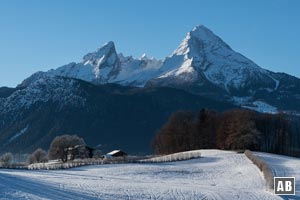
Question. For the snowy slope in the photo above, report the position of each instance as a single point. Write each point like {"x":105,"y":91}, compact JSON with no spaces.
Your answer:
{"x":137,"y":72}
{"x":44,"y":89}
{"x":218,"y":175}
{"x":262,"y":107}
{"x":283,"y":166}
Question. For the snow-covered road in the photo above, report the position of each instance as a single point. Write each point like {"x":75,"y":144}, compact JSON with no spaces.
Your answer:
{"x":217,"y":175}
{"x":283,"y":166}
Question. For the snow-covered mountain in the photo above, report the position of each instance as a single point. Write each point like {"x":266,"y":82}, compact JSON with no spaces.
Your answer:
{"x":203,"y":64}
{"x":203,"y":55}
{"x":106,"y":66}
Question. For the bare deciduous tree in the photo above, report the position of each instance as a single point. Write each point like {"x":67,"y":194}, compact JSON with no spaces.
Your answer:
{"x":67,"y":147}
{"x":174,"y":136}
{"x":38,"y":156}
{"x":6,"y":159}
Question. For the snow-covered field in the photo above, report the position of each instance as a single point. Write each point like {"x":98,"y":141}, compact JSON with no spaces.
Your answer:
{"x":217,"y":175}
{"x":283,"y":166}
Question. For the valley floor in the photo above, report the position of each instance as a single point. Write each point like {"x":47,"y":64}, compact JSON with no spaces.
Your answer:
{"x":217,"y":175}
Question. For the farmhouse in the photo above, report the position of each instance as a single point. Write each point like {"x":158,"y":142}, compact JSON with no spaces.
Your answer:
{"x":90,"y":151}
{"x":82,"y":151}
{"x":116,"y":153}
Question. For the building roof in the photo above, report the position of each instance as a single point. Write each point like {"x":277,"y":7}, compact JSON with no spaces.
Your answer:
{"x":115,"y":152}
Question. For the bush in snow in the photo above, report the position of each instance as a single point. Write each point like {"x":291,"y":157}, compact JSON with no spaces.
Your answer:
{"x":39,"y":156}
{"x":6,"y":159}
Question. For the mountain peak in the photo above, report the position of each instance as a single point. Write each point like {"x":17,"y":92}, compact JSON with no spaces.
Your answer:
{"x":107,"y":49}
{"x":202,"y":33}
{"x":201,"y":28}
{"x":144,"y":57}
{"x":108,"y":45}
{"x":199,"y":37}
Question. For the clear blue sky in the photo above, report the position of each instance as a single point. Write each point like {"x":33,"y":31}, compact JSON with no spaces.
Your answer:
{"x":39,"y":35}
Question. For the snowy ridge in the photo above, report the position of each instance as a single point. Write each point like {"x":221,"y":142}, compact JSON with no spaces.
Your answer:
{"x":106,"y":66}
{"x":137,"y":72}
{"x":98,"y":66}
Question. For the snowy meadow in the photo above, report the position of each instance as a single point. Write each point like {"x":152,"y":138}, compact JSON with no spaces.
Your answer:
{"x":216,"y":175}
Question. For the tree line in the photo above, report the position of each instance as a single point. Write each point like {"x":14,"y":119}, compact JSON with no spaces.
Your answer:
{"x":230,"y":130}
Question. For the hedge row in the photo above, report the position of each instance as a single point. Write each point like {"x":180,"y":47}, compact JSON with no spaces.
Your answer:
{"x":84,"y":162}
{"x":264,"y":167}
{"x":67,"y":165}
{"x":174,"y":157}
